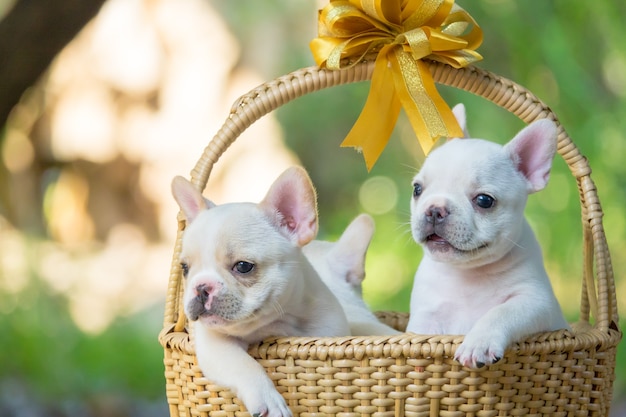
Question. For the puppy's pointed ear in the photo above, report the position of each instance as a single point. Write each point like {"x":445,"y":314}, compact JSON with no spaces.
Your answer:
{"x":293,"y":198}
{"x":532,"y":150}
{"x":347,"y":256}
{"x":189,"y":199}
{"x":459,"y":114}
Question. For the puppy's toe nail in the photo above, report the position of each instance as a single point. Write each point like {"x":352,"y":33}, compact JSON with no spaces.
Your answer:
{"x":480,"y":364}
{"x":497,"y":359}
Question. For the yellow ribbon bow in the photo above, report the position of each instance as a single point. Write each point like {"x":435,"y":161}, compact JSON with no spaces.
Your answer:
{"x":401,"y":33}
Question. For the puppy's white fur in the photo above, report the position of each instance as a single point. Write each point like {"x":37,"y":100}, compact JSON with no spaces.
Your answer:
{"x":482,"y":273}
{"x":247,"y":279}
{"x":341,"y":265}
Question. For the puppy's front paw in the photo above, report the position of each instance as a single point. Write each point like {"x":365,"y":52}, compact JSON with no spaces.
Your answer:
{"x":476,"y":352}
{"x":266,"y":402}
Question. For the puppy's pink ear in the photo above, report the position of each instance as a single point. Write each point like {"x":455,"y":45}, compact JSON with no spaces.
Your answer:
{"x":348,"y":253}
{"x":532,"y":150}
{"x":459,"y":114}
{"x":293,"y":198}
{"x":189,"y":199}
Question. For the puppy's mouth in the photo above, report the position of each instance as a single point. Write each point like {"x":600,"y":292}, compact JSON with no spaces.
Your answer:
{"x":437,"y":243}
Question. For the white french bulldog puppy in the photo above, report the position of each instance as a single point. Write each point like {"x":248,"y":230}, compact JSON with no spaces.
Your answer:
{"x":482,"y":273}
{"x":247,"y":279}
{"x":341,"y":265}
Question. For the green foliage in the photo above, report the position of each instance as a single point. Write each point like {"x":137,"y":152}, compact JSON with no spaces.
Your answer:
{"x":42,"y":347}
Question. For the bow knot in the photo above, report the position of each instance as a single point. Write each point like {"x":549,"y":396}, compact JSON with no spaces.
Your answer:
{"x":400,"y":33}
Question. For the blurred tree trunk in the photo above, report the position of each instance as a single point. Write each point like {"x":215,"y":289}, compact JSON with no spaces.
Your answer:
{"x":31,"y":34}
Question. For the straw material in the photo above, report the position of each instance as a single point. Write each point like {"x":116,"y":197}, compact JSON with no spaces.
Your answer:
{"x":562,"y":373}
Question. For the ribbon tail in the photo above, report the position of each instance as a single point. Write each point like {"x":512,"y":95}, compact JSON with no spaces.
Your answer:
{"x":373,"y":128}
{"x":428,"y":113}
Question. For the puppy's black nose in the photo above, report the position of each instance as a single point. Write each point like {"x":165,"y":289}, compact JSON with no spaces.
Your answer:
{"x":436,"y":214}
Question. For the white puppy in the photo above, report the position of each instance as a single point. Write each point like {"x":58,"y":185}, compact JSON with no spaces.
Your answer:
{"x":247,"y":279}
{"x":482,"y":274}
{"x":341,"y":265}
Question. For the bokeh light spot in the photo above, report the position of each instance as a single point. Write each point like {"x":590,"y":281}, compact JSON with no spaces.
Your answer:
{"x":378,"y":195}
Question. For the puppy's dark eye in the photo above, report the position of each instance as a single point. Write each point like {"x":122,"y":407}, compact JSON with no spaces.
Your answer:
{"x":243,"y":267}
{"x":185,"y":267}
{"x":484,"y":201}
{"x":417,"y":190}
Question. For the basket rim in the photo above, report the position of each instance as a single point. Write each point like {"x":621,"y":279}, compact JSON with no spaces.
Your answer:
{"x":405,"y":345}
{"x":598,"y":295}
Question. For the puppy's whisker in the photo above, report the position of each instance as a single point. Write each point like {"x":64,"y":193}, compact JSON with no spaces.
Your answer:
{"x":411,"y":169}
{"x":253,"y":314}
{"x":516,"y":244}
{"x":403,"y":229}
{"x":278,"y":308}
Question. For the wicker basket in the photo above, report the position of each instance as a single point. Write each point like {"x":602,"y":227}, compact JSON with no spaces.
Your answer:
{"x":557,"y":374}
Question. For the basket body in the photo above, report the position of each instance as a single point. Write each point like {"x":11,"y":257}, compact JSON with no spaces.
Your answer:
{"x":564,"y":373}
{"x":394,"y":377}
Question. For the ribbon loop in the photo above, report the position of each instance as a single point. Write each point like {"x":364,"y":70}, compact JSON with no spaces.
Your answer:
{"x":401,"y":33}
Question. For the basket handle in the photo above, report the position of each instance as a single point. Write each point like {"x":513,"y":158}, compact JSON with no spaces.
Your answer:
{"x":598,"y":290}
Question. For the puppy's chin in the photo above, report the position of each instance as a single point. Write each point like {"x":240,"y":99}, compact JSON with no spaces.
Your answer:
{"x":212,"y":321}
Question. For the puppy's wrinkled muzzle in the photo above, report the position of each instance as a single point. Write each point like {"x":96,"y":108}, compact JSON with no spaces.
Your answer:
{"x":432,"y":230}
{"x":201,"y":304}
{"x":214,"y":301}
{"x":434,"y":225}
{"x":195,"y":309}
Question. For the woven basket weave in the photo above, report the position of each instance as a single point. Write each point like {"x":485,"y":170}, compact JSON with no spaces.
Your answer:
{"x":559,"y":373}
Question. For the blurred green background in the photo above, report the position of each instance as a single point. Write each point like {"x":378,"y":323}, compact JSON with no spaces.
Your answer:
{"x":71,"y":221}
